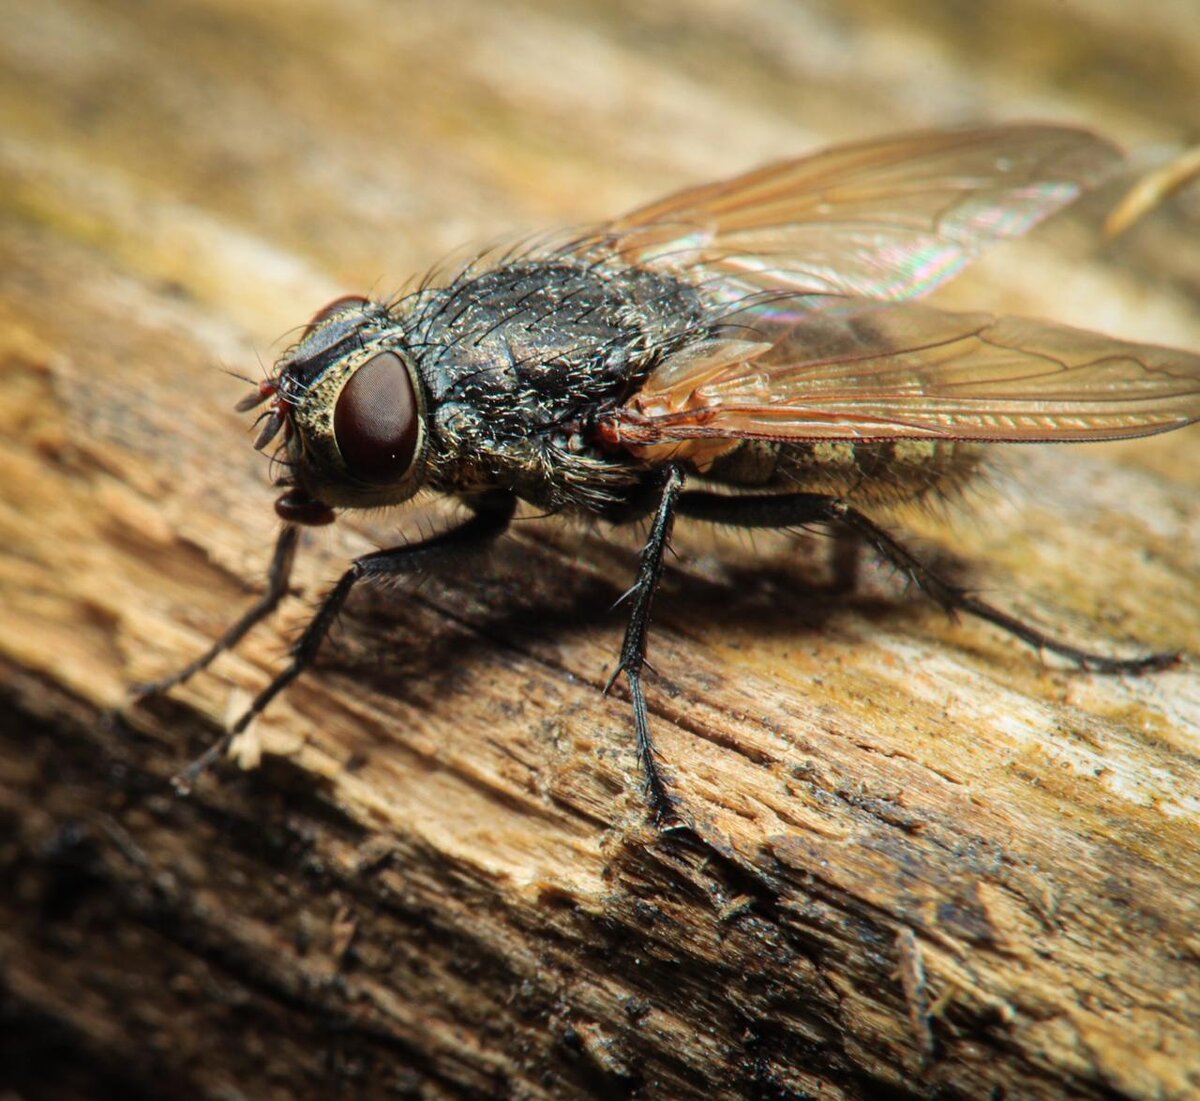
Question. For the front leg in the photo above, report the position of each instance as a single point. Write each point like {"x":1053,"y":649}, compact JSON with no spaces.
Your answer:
{"x":633,"y":650}
{"x":277,"y":586}
{"x":492,"y":513}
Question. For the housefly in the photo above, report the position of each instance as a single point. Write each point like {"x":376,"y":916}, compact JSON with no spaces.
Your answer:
{"x":749,"y":352}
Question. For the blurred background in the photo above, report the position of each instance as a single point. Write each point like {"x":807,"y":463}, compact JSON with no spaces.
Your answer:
{"x":258,"y":156}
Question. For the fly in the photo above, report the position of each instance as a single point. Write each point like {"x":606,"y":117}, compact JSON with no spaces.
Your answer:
{"x":749,"y":352}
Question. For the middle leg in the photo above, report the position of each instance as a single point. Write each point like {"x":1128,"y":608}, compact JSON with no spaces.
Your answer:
{"x":633,"y":649}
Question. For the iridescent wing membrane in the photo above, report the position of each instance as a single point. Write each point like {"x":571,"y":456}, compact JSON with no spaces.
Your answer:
{"x":888,"y":219}
{"x":870,"y":371}
{"x":820,"y":244}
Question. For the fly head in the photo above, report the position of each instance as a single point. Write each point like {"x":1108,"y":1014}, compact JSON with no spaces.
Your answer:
{"x":350,"y":406}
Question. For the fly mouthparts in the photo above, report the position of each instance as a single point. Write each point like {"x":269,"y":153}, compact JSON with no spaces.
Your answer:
{"x":297,"y":507}
{"x":266,"y":389}
{"x":274,"y":422}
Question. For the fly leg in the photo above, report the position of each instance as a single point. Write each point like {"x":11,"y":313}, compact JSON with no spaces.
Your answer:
{"x":277,"y":586}
{"x":796,"y":509}
{"x":633,"y":649}
{"x":492,"y":513}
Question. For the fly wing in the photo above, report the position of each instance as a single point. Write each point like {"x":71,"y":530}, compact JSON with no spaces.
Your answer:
{"x":868,"y":371}
{"x":888,"y":219}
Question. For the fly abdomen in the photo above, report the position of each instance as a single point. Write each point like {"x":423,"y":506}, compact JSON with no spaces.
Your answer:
{"x":888,"y":472}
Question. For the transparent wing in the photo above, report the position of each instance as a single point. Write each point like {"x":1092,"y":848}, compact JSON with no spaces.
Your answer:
{"x":888,"y":219}
{"x":869,"y":371}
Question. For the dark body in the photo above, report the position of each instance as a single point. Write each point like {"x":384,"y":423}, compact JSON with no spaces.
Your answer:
{"x":521,"y":365}
{"x":752,"y":335}
{"x":523,"y":361}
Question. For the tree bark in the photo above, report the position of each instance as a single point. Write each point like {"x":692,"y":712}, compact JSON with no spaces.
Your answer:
{"x":923,"y":863}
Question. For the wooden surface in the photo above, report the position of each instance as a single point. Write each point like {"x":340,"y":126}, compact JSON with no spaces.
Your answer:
{"x":931,"y":865}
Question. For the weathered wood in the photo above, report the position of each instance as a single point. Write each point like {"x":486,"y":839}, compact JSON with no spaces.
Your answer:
{"x":931,"y":865}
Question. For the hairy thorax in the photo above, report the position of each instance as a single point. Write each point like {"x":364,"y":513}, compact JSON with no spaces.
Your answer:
{"x":520,"y":360}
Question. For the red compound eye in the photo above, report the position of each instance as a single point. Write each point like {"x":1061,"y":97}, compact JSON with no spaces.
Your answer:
{"x":376,"y":421}
{"x":346,"y":302}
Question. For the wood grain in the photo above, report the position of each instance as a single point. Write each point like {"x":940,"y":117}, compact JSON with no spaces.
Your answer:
{"x":931,"y":865}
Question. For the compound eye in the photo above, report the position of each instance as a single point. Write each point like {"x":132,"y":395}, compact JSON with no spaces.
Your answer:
{"x":346,"y":302}
{"x":375,"y":422}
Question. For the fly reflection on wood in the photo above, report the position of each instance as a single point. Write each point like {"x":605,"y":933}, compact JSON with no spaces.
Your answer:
{"x":755,"y":336}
